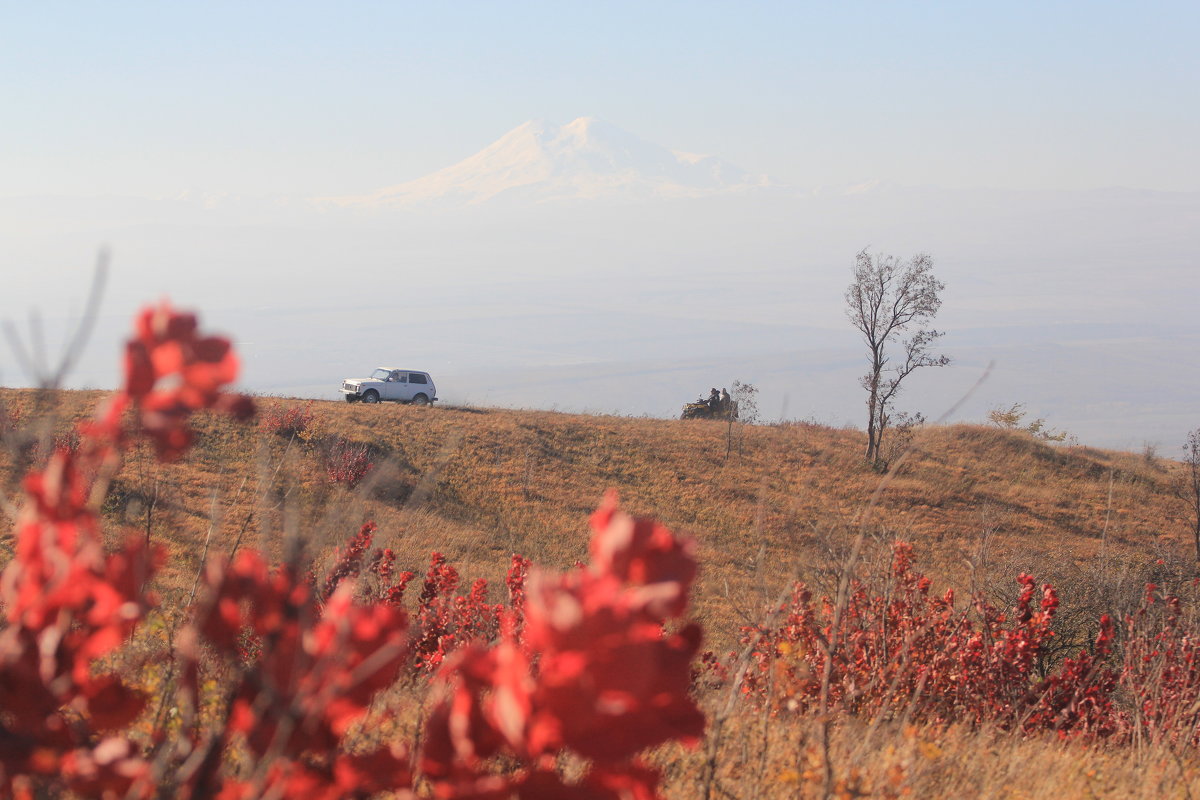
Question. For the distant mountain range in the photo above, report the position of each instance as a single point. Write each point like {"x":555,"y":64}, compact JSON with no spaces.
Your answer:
{"x":584,"y":159}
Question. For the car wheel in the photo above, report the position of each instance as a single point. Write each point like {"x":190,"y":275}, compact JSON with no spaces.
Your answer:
{"x":351,"y":398}
{"x":420,"y":400}
{"x":371,"y":396}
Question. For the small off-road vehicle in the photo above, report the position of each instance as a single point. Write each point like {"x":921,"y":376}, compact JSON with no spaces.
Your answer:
{"x":387,"y":383}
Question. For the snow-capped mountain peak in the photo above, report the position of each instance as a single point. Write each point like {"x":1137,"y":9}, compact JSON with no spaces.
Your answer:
{"x":585,"y":158}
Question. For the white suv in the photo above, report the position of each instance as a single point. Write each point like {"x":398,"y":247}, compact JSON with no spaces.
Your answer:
{"x":386,"y":383}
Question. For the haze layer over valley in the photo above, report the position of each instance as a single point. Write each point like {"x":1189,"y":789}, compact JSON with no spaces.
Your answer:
{"x":581,"y":267}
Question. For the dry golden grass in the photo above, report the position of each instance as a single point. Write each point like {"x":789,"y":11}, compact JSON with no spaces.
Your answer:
{"x":767,"y":504}
{"x":768,"y":759}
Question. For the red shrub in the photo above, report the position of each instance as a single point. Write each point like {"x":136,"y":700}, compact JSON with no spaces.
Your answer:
{"x":166,"y":346}
{"x":349,"y":562}
{"x":904,"y":652}
{"x":66,"y":603}
{"x":1077,"y":698}
{"x":395,"y":595}
{"x":318,"y":668}
{"x":383,"y":563}
{"x":1161,"y":670}
{"x":518,"y":573}
{"x":348,"y":463}
{"x":68,"y":442}
{"x":288,"y":422}
{"x":609,"y":681}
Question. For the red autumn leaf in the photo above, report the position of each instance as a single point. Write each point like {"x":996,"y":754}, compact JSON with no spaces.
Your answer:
{"x":111,"y":705}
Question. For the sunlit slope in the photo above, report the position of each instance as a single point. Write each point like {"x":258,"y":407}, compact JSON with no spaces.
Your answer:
{"x":765,"y":503}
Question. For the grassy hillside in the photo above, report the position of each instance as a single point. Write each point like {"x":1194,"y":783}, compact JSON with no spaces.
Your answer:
{"x":767,"y":504}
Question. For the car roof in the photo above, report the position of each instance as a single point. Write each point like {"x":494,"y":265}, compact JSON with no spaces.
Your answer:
{"x":402,"y":369}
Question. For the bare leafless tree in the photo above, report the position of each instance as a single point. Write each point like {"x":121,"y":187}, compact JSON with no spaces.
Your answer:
{"x":888,"y":300}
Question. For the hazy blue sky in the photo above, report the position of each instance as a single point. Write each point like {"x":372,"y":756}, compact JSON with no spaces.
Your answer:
{"x":997,"y":131}
{"x":312,"y":98}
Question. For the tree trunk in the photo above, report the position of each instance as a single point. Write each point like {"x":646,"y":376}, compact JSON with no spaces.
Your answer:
{"x":873,"y":431}
{"x":1196,"y":517}
{"x":1194,"y":498}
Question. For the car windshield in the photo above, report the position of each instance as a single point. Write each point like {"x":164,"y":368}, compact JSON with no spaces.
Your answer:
{"x":381,"y":374}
